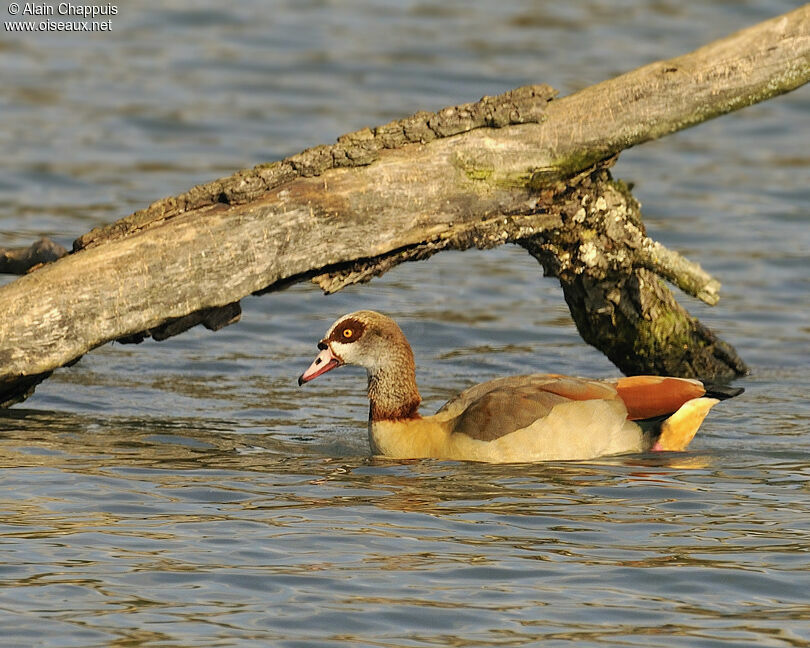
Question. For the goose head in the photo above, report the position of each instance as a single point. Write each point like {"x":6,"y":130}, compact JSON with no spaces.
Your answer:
{"x":365,"y":338}
{"x":373,"y":341}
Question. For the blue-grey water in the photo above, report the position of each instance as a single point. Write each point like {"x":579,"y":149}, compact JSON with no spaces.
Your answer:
{"x":188,"y":493}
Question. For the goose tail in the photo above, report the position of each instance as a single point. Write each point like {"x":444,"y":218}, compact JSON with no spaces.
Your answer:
{"x":680,"y":428}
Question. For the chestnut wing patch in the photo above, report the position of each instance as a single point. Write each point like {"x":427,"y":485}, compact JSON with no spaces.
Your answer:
{"x":651,"y":396}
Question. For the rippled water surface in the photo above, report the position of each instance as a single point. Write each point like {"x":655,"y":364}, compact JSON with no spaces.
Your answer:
{"x":188,"y":493}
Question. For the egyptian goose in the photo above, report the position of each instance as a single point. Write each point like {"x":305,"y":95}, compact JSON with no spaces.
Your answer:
{"x":538,"y":417}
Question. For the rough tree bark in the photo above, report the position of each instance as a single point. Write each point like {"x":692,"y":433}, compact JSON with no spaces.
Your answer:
{"x":522,"y":168}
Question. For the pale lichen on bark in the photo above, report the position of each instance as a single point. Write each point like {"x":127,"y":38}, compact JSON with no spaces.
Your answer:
{"x":601,"y":255}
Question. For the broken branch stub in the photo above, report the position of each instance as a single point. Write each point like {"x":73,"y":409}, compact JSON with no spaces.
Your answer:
{"x":21,"y":260}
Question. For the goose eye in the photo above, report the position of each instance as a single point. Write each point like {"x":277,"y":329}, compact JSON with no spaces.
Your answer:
{"x":347,"y":333}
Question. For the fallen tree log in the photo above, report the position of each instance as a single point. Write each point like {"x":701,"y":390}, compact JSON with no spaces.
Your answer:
{"x":521,"y":168}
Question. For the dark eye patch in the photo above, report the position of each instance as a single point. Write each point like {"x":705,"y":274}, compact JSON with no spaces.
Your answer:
{"x":348,"y":330}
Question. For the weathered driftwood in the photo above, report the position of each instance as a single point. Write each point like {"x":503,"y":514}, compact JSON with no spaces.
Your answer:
{"x":519,"y":168}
